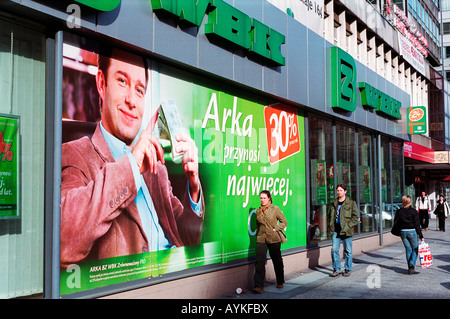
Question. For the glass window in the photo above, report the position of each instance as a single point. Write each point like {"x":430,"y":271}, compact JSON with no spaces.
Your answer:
{"x":322,"y":185}
{"x":399,"y":3}
{"x":346,"y":160}
{"x":447,"y":52}
{"x":366,"y":182}
{"x":447,"y":103}
{"x":358,"y":167}
{"x":22,"y":88}
{"x":447,"y":128}
{"x":446,"y":27}
{"x":386,"y":198}
{"x":445,"y":5}
{"x":422,"y":13}
{"x":397,"y":174}
{"x":419,"y":12}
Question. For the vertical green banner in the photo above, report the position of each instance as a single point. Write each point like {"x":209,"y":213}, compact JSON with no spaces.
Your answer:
{"x":365,"y":191}
{"x":9,"y":167}
{"x":417,"y":120}
{"x":318,"y":182}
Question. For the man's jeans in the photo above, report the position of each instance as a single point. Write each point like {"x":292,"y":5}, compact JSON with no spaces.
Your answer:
{"x":423,"y":218}
{"x":409,"y":238}
{"x":348,"y":247}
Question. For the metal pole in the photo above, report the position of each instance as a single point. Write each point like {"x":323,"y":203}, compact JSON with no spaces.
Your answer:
{"x":308,"y":180}
{"x":358,"y":196}
{"x":380,"y":192}
{"x":442,"y":50}
{"x":53,"y":165}
{"x":334,"y":160}
{"x":444,"y":79}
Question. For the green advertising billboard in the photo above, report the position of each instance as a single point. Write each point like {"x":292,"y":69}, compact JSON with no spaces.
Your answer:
{"x":244,"y":145}
{"x":9,"y":167}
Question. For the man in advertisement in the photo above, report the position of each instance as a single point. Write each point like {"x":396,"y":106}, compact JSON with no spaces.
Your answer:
{"x":116,"y":197}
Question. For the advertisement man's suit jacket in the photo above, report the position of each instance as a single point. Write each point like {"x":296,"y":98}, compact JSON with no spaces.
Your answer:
{"x":99,"y":218}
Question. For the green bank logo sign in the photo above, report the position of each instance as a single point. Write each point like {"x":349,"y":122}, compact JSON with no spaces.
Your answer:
{"x":344,"y":88}
{"x":227,"y":26}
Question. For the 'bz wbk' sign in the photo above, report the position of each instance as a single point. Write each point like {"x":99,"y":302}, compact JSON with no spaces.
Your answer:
{"x":344,"y":88}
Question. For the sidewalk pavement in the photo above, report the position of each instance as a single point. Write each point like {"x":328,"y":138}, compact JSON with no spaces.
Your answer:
{"x":378,"y":274}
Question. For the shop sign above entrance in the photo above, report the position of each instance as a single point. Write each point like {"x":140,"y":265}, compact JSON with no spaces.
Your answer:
{"x":227,"y":26}
{"x":344,"y":88}
{"x":418,"y":152}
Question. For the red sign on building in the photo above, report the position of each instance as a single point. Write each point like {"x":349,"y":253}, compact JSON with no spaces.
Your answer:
{"x":418,"y":152}
{"x":283,"y":136}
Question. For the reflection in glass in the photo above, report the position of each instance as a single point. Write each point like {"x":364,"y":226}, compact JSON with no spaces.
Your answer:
{"x":386,"y":193}
{"x":346,"y":160}
{"x":321,"y":161}
{"x":366,"y":182}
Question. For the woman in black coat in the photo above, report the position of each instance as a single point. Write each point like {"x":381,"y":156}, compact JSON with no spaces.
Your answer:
{"x":407,"y":220}
{"x":442,"y":210}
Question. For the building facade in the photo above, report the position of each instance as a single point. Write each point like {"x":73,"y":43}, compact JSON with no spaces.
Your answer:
{"x":293,"y":97}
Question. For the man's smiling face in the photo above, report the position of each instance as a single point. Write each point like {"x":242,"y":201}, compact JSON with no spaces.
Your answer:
{"x":122,"y":91}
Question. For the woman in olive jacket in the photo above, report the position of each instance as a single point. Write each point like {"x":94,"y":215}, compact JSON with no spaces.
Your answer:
{"x":267,"y":237}
{"x":407,"y":220}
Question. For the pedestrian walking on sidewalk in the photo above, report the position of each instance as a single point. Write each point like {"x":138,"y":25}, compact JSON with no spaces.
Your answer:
{"x":407,"y":220}
{"x":442,"y":210}
{"x":269,"y":221}
{"x":423,"y":207}
{"x":342,"y":217}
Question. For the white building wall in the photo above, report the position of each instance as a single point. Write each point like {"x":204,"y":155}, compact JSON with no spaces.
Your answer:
{"x":383,"y":58}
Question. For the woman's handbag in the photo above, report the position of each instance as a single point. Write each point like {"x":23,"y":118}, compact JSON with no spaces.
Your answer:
{"x":395,"y":230}
{"x":282,"y":236}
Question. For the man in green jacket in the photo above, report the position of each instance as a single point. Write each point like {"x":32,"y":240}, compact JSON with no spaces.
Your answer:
{"x":342,"y":217}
